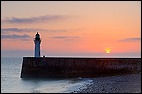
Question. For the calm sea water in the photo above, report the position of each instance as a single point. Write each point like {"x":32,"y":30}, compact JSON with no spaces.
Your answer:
{"x":12,"y":83}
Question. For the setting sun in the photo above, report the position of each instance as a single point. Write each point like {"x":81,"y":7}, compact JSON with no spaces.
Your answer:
{"x":107,"y":50}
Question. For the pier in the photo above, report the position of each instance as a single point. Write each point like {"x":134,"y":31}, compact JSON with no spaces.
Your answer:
{"x":68,"y":67}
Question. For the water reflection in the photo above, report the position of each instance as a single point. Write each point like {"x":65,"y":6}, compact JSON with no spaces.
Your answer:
{"x":47,"y":85}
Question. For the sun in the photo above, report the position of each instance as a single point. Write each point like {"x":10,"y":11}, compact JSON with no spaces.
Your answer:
{"x":107,"y":50}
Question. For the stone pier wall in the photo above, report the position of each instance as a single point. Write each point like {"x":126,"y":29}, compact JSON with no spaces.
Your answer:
{"x":77,"y":67}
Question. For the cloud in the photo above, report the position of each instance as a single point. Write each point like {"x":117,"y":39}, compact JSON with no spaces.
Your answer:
{"x":15,"y":36}
{"x":130,"y":39}
{"x":19,"y":30}
{"x":39,"y":19}
{"x":66,"y":37}
{"x":8,"y":30}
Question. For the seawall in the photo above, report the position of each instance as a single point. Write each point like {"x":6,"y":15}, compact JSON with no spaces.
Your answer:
{"x":67,"y":67}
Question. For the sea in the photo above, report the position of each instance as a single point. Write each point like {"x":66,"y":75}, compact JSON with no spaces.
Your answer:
{"x":12,"y":83}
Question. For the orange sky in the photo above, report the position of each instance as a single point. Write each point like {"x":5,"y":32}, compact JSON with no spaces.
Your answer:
{"x":71,"y":27}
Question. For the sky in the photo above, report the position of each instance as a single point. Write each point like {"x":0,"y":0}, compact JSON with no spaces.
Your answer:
{"x":71,"y":28}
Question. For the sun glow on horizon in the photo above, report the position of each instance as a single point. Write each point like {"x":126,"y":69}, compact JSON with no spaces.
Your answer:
{"x":107,"y":50}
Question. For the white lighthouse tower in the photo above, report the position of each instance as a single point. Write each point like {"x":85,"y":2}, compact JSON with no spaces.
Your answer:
{"x":37,"y":42}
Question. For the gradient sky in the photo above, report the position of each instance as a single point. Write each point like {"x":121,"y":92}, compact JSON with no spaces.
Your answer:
{"x":71,"y":28}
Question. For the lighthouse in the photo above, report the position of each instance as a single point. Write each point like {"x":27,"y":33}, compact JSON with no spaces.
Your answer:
{"x":37,"y":42}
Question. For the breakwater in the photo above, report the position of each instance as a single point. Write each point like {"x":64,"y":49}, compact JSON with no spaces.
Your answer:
{"x":67,"y":67}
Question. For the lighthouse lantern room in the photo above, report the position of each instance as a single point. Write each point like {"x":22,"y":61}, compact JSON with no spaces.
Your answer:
{"x":37,"y":41}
